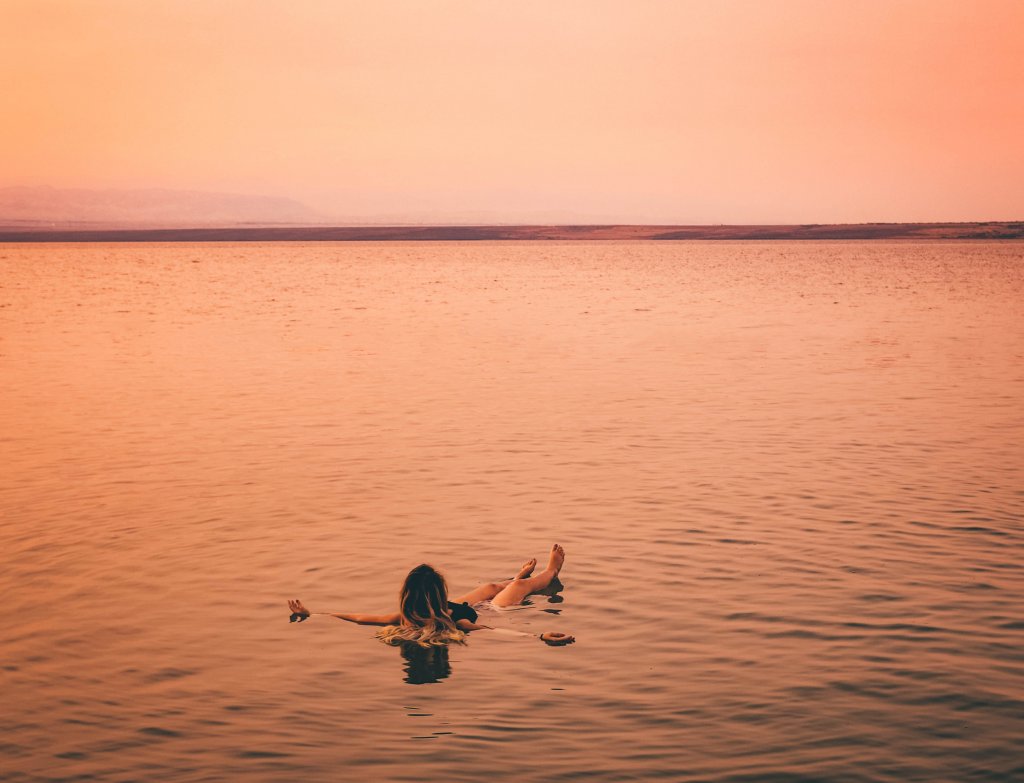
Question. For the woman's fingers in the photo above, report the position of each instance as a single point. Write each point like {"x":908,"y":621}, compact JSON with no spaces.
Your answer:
{"x":299,"y":612}
{"x":556,"y":638}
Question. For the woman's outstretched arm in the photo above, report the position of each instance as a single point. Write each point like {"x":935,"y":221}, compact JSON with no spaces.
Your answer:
{"x":300,"y":613}
{"x":469,"y":625}
{"x":553,"y":638}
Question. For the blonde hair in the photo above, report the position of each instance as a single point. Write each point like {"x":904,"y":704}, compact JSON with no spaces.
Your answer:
{"x":423,"y":606}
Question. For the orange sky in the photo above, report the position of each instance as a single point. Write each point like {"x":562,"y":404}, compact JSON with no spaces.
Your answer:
{"x":637,"y":110}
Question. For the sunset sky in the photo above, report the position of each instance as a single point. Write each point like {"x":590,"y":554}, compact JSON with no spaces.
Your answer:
{"x":671,"y":111}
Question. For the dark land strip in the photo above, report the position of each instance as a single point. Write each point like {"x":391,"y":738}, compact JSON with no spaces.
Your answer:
{"x":28,"y":233}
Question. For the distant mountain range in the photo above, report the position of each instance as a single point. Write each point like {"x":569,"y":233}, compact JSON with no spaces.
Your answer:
{"x":64,"y":209}
{"x":51,"y":214}
{"x":46,"y":207}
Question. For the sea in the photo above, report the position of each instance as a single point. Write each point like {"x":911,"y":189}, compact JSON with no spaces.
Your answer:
{"x":788,"y":478}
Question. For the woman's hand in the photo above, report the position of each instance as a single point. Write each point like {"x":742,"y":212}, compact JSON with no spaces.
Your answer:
{"x":299,"y":612}
{"x":556,"y":639}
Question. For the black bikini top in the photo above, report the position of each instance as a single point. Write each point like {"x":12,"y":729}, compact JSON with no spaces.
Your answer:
{"x":462,"y":611}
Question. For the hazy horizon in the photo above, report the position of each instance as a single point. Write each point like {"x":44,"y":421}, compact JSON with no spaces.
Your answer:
{"x":655,"y":112}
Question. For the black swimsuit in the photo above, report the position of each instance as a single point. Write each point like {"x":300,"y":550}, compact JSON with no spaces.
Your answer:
{"x":462,"y":611}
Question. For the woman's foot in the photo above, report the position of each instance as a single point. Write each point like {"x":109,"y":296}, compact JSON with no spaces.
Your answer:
{"x":527,"y":568}
{"x":515,"y":591}
{"x":556,"y":560}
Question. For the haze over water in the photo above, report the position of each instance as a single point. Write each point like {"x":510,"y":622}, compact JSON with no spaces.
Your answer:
{"x":788,"y":478}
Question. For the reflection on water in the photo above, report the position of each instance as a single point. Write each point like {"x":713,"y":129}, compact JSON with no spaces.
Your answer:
{"x":425,"y":664}
{"x":788,"y":477}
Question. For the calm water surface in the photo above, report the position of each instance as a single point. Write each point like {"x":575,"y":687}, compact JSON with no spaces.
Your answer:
{"x":789,"y":479}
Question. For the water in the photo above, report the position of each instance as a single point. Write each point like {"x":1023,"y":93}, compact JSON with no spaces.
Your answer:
{"x":788,"y":477}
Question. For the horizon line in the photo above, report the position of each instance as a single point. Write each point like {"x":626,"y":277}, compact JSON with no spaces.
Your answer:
{"x":299,"y":232}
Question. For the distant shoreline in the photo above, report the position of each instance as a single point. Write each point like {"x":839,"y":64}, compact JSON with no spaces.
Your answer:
{"x":863,"y":231}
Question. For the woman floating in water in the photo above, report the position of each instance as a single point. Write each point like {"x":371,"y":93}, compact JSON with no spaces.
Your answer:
{"x":426,"y":616}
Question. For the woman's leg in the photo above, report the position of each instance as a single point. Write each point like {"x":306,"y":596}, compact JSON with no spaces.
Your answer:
{"x":487,"y":591}
{"x":515,"y":591}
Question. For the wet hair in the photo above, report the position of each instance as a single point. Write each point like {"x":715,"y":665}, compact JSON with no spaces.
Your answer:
{"x":423,"y":605}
